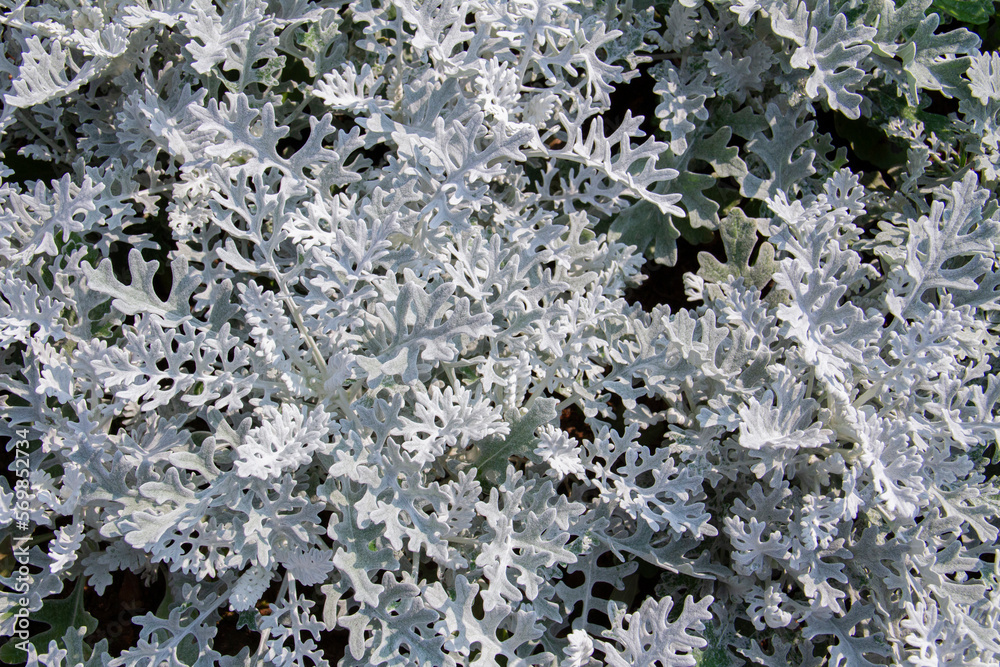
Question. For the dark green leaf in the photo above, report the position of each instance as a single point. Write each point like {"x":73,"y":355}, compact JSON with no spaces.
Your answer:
{"x":491,"y":454}
{"x":61,"y":615}
{"x":966,"y":11}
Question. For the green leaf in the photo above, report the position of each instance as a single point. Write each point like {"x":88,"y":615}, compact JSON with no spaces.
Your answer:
{"x":870,"y":143}
{"x":61,"y":615}
{"x":695,"y":235}
{"x":716,"y":654}
{"x":188,"y":650}
{"x":966,"y":11}
{"x":491,"y":454}
{"x":649,"y":230}
{"x":739,"y":236}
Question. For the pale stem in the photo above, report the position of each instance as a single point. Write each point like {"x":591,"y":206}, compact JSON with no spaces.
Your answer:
{"x":31,"y":125}
{"x":540,"y":387}
{"x":266,"y":632}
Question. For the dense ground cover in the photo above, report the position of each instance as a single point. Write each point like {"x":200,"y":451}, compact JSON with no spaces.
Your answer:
{"x":499,"y":333}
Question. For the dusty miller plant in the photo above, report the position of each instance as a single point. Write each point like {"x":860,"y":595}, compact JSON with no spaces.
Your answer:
{"x":299,"y":291}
